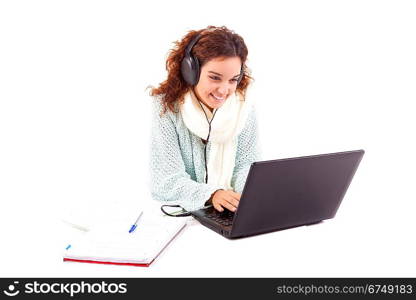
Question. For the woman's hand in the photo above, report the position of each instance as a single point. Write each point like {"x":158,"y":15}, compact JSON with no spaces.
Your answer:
{"x":225,"y":199}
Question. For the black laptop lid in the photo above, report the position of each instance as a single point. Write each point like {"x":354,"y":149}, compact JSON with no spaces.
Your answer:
{"x":290,"y":192}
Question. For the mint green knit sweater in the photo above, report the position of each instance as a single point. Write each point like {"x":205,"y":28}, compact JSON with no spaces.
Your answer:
{"x":177,"y":160}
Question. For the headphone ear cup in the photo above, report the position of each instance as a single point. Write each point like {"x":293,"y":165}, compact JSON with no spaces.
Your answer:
{"x":197,"y":69}
{"x":190,"y":70}
{"x":240,"y":77}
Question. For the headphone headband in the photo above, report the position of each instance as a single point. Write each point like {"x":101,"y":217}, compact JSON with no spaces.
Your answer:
{"x":192,"y":44}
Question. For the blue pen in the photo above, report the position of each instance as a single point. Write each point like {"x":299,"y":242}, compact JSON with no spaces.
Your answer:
{"x":133,"y":227}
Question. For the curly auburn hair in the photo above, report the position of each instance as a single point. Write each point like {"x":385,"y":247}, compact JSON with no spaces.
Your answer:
{"x":214,"y":42}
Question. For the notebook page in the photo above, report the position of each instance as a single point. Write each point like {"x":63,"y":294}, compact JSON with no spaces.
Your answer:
{"x":112,"y":242}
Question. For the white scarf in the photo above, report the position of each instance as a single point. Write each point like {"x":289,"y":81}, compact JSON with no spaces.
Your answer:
{"x":228,"y":122}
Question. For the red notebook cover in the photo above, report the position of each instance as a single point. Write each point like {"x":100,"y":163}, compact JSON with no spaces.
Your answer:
{"x":107,"y":262}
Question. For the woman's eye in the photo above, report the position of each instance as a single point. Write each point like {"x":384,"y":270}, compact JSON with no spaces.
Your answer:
{"x":217,"y":78}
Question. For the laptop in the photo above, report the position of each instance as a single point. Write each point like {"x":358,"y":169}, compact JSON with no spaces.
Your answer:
{"x":286,"y":193}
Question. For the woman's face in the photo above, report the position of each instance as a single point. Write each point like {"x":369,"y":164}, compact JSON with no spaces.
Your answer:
{"x":218,"y":80}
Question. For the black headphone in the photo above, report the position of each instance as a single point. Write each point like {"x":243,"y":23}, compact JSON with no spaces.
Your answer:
{"x":190,"y":67}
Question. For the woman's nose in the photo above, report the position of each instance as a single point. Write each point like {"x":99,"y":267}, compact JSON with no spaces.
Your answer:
{"x":223,"y":89}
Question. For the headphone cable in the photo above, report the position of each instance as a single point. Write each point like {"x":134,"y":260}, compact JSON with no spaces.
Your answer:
{"x":209,"y":133}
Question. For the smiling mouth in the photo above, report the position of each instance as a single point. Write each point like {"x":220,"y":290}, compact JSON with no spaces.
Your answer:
{"x":216,"y":98}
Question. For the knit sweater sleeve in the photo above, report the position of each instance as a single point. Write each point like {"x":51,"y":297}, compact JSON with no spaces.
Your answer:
{"x":169,"y":181}
{"x":248,"y":151}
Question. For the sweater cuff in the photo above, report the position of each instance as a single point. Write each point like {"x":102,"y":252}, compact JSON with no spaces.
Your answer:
{"x":200,"y":200}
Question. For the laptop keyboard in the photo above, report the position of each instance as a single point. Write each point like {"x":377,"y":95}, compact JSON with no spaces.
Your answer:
{"x":224,"y":218}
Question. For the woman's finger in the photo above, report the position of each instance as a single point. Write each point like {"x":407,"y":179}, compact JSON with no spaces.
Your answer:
{"x":234,"y":202}
{"x":228,"y":205}
{"x":218,"y":207}
{"x":235,"y":195}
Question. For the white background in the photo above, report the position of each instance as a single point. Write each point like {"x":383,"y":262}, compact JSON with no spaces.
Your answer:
{"x":75,"y":122}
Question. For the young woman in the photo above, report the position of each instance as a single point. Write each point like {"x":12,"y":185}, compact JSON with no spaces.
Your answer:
{"x":204,"y":131}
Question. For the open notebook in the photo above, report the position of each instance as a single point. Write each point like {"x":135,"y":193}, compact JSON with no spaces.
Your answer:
{"x":112,"y":243}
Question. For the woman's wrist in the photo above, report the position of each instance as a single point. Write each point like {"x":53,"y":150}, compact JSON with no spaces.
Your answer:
{"x":209,"y":201}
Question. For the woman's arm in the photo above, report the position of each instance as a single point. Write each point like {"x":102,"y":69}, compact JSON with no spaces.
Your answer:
{"x":169,"y":181}
{"x":248,"y":151}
